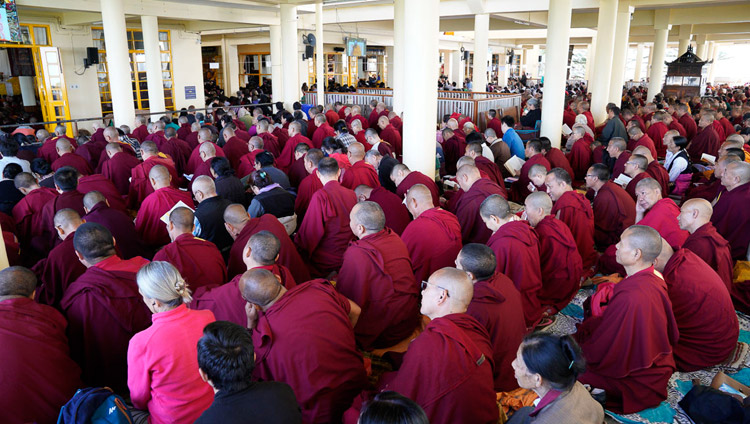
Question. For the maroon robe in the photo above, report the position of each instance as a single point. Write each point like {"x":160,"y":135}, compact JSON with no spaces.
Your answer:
{"x":619,"y":167}
{"x":199,"y":261}
{"x":192,"y":139}
{"x":148,"y":223}
{"x":732,"y":220}
{"x":320,"y":133}
{"x":707,"y":338}
{"x":728,"y":127}
{"x":639,"y":325}
{"x":561,"y":264}
{"x":473,"y":229}
{"x":663,"y":218}
{"x":286,"y":158}
{"x":360,"y":173}
{"x":575,"y":211}
{"x":691,"y":128}
{"x":203,"y":168}
{"x":235,"y":148}
{"x":56,"y":272}
{"x":453,"y":149}
{"x":440,"y":249}
{"x":324,"y":234}
{"x":140,"y":133}
{"x":104,"y":311}
{"x":646,"y":141}
{"x":706,"y":141}
{"x":309,"y":185}
{"x":158,"y":138}
{"x":179,"y":151}
{"x":67,"y":200}
{"x":520,"y":189}
{"x":118,"y":169}
{"x":332,"y":116}
{"x":140,"y":185}
{"x":195,"y":157}
{"x":414,"y":178}
{"x":247,"y":163}
{"x":72,"y":160}
{"x":100,"y":183}
{"x":630,"y":188}
{"x":719,"y":130}
{"x":288,"y":255}
{"x":557,"y":159}
{"x":282,"y":135}
{"x":390,"y":135}
{"x":710,"y":246}
{"x":28,"y":213}
{"x":121,"y":226}
{"x":491,"y":169}
{"x":580,"y":157}
{"x":39,"y":375}
{"x":48,"y":150}
{"x":330,"y":352}
{"x":448,"y":372}
{"x":396,"y":215}
{"x":516,"y":248}
{"x":660,"y":174}
{"x":91,"y":152}
{"x":184,"y":131}
{"x":297,"y":172}
{"x":377,"y":275}
{"x":656,"y":133}
{"x":270,"y":144}
{"x":497,"y":306}
{"x":677,"y":126}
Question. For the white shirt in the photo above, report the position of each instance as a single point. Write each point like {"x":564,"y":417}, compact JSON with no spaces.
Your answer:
{"x":25,"y":165}
{"x":487,"y":152}
{"x":679,"y":165}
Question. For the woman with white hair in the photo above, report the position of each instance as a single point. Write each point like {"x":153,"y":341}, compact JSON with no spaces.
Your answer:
{"x":163,"y":378}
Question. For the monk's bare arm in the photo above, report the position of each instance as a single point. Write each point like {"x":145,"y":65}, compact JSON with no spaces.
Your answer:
{"x":354,"y":312}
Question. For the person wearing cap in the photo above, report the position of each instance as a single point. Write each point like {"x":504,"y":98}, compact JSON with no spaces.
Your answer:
{"x":534,"y":113}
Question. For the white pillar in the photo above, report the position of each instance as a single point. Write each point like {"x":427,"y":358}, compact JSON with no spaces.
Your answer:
{"x":399,"y":47}
{"x":656,"y":77}
{"x":638,"y":62}
{"x":685,"y":34}
{"x":650,"y":59}
{"x":712,"y":66}
{"x":458,"y":68}
{"x":558,"y":37}
{"x":233,"y":68}
{"x":534,"y":61}
{"x":289,"y":55}
{"x":590,"y":56}
{"x":277,"y":69}
{"x":389,"y":66}
{"x":420,"y":95}
{"x":502,"y":68}
{"x":702,"y":44}
{"x":150,"y":26}
{"x":118,"y":62}
{"x":320,"y":54}
{"x":605,"y":41}
{"x":481,"y":44}
{"x":620,"y":54}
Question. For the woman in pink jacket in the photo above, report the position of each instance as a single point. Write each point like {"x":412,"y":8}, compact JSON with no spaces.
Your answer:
{"x":163,"y":378}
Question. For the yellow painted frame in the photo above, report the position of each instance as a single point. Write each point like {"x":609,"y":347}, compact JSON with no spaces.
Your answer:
{"x":241,"y":57}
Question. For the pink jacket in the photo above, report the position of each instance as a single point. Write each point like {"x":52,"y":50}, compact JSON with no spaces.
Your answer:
{"x":163,"y":367}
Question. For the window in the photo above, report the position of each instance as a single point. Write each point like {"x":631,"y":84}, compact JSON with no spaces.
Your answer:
{"x":34,"y":35}
{"x":137,"y":69}
{"x":254,"y":67}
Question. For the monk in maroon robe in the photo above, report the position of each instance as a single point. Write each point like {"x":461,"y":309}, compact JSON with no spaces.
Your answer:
{"x":48,"y":150}
{"x":66,"y":181}
{"x":561,"y":264}
{"x":659,"y":214}
{"x":704,"y":240}
{"x":516,"y":248}
{"x":270,"y":142}
{"x":119,"y":167}
{"x":404,"y":179}
{"x":476,"y":189}
{"x":581,"y":156}
{"x":474,"y":151}
{"x":117,"y":222}
{"x":638,"y":138}
{"x":396,"y":215}
{"x":706,"y":141}
{"x":199,"y":261}
{"x":429,"y":254}
{"x":635,"y":168}
{"x":453,"y":148}
{"x":234,"y":147}
{"x":148,"y":223}
{"x":377,"y":275}
{"x":573,"y":209}
{"x":38,"y":374}
{"x":520,"y":188}
{"x":28,"y":212}
{"x":702,"y":308}
{"x":140,"y":186}
{"x":447,"y":369}
{"x":68,"y":158}
{"x":637,"y":322}
{"x":361,"y":172}
{"x":61,"y":267}
{"x":686,"y":120}
{"x":247,"y":162}
{"x":310,"y":184}
{"x":556,"y":157}
{"x":241,"y":227}
{"x":98,"y":182}
{"x":614,"y":209}
{"x":140,"y":132}
{"x":324,"y":234}
{"x":204,"y":136}
{"x":390,"y":135}
{"x":178,"y":150}
{"x":730,"y":216}
{"x":656,"y":132}
{"x":104,"y":309}
{"x":497,"y":305}
{"x":322,"y":130}
{"x":655,"y":170}
{"x":225,"y":300}
{"x":286,"y":158}
{"x":281,"y":322}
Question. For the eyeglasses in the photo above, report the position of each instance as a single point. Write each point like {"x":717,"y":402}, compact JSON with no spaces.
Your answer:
{"x":425,"y":283}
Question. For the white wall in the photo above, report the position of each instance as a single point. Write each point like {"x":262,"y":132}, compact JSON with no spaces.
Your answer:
{"x":187,"y":68}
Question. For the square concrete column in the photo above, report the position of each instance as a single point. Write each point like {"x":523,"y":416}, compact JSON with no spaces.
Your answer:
{"x":702,"y":50}
{"x":558,"y":38}
{"x":620,"y":54}
{"x":605,"y":42}
{"x":656,"y":76}
{"x":118,"y":62}
{"x":150,"y":27}
{"x":481,"y":45}
{"x":277,"y":69}
{"x":399,"y":45}
{"x":319,"y":54}
{"x":289,"y":50}
{"x":638,"y":62}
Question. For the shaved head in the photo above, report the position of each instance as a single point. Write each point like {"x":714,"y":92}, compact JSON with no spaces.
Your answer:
{"x":17,"y":281}
{"x":25,"y":180}
{"x":701,"y":206}
{"x":205,"y":185}
{"x":114,"y":147}
{"x":648,"y":183}
{"x":539,"y":199}
{"x":208,"y":149}
{"x":159,"y":173}
{"x":495,"y":205}
{"x":739,"y":170}
{"x":421,"y":194}
{"x":63,"y":145}
{"x":67,"y":218}
{"x":236,"y":215}
{"x":468,"y":170}
{"x":357,"y":151}
{"x":458,"y":284}
{"x":363,"y":190}
{"x":149,"y":147}
{"x":182,"y":218}
{"x":369,"y":215}
{"x":264,"y":247}
{"x":465,"y":160}
{"x":643,"y":151}
{"x":259,"y":287}
{"x":478,"y":259}
{"x":92,"y":199}
{"x":644,"y":238}
{"x":537,"y":170}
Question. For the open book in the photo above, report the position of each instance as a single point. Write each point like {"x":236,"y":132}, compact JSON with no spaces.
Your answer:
{"x":514,"y":165}
{"x":165,"y":217}
{"x":566,"y":130}
{"x":711,"y":159}
{"x":622,"y":180}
